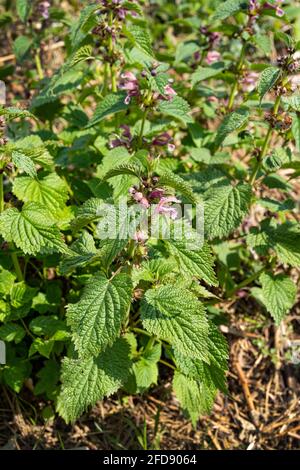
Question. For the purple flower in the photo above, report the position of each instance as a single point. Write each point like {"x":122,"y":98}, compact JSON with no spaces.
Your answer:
{"x":163,"y":207}
{"x":212,"y":56}
{"x":130,"y":84}
{"x":125,"y":139}
{"x":162,"y":139}
{"x":43,"y":9}
{"x":214,"y":37}
{"x":157,"y":193}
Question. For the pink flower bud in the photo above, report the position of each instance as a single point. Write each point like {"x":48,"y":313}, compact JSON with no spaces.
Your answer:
{"x":212,"y":56}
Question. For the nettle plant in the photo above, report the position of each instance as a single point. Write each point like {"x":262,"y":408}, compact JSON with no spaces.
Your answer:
{"x":208,"y":120}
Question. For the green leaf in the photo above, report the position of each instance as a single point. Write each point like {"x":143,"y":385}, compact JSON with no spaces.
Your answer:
{"x":180,"y":185}
{"x":292,"y":101}
{"x":268,"y":78}
{"x":87,"y":213}
{"x":178,"y":108}
{"x":87,"y":380}
{"x":15,"y":373}
{"x":41,"y":346}
{"x":212,"y":374}
{"x":34,"y":148}
{"x":23,"y":9}
{"x":198,"y":263}
{"x":263,"y":42}
{"x":111,"y":104}
{"x":225,"y":207}
{"x":82,"y":252}
{"x":21,"y":47}
{"x":296,"y":131}
{"x":282,"y":239}
{"x":96,"y":319}
{"x":50,"y":191}
{"x":176,"y":316}
{"x":12,"y":332}
{"x":11,"y":113}
{"x":229,"y":8}
{"x":196,"y":398}
{"x":279,"y":294}
{"x":124,"y":169}
{"x":83,"y":25}
{"x":7,"y":280}
{"x":32,"y":230}
{"x":84,"y":53}
{"x":48,"y":325}
{"x":24,"y":163}
{"x":48,"y":379}
{"x":140,"y":38}
{"x":204,"y":73}
{"x":231,"y":123}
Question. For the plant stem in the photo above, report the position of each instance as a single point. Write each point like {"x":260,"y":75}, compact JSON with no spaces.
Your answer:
{"x":265,"y":146}
{"x":142,"y":332}
{"x":1,"y":194}
{"x":16,"y":264}
{"x":142,"y":128}
{"x":111,"y":50}
{"x":38,"y":64}
{"x":167,"y":364}
{"x":247,"y":281}
{"x":149,"y":344}
{"x":236,"y":82}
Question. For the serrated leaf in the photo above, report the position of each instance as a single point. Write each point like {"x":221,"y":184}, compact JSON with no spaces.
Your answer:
{"x":82,"y":252}
{"x":24,"y":163}
{"x":83,"y":25}
{"x":196,"y":398}
{"x":231,"y":123}
{"x":178,"y":317}
{"x":178,"y":108}
{"x":174,"y":181}
{"x":263,"y":42}
{"x":140,"y":38}
{"x":87,"y":213}
{"x":198,"y":263}
{"x":11,"y":113}
{"x":87,"y":380}
{"x":224,"y":208}
{"x":111,"y":104}
{"x":282,"y":239}
{"x":267,"y":80}
{"x":50,"y":191}
{"x":124,"y":169}
{"x":292,"y":101}
{"x":279,"y":294}
{"x":213,"y":374}
{"x":229,"y":8}
{"x":32,"y":230}
{"x":96,"y":319}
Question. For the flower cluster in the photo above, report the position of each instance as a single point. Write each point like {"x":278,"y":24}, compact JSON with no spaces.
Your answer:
{"x":43,"y":9}
{"x":129,"y":83}
{"x":118,"y":7}
{"x":157,"y":197}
